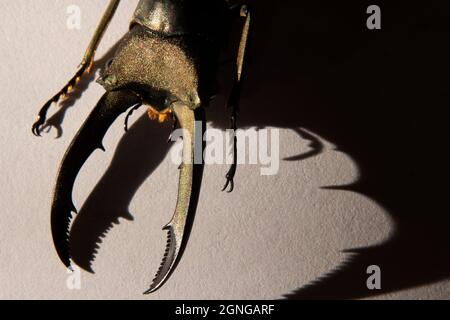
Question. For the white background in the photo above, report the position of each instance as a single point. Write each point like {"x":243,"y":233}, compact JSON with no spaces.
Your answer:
{"x":272,"y":235}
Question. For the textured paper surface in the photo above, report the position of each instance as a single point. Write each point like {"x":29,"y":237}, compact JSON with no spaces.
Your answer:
{"x":272,"y":235}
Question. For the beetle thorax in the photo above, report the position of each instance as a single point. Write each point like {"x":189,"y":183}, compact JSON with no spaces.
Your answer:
{"x":159,"y":69}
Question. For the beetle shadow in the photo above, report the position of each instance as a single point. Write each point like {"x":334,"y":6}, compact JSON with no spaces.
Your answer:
{"x":137,"y":155}
{"x":376,"y":95}
{"x":373,"y":94}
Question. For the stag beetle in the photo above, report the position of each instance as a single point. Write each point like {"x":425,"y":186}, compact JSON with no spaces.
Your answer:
{"x":166,"y":62}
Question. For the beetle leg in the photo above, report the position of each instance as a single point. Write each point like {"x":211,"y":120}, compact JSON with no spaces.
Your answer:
{"x":85,"y":65}
{"x":130,"y":113}
{"x":233,"y":101}
{"x":89,"y":138}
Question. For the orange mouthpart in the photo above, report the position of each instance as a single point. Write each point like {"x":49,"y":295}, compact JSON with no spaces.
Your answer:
{"x":161,"y":116}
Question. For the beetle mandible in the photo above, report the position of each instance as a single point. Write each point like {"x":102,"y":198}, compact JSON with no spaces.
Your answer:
{"x":166,"y":62}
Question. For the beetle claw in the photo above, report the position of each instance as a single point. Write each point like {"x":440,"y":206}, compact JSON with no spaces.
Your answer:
{"x":179,"y":226}
{"x":36,"y":128}
{"x":87,"y":140}
{"x":229,"y":182}
{"x":230,"y":179}
{"x":42,"y":118}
